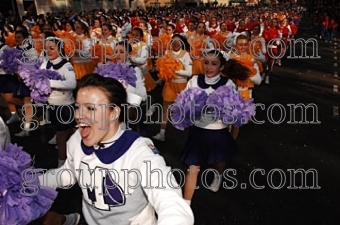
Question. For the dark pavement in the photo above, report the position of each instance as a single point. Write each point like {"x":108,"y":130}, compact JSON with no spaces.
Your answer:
{"x":271,"y":147}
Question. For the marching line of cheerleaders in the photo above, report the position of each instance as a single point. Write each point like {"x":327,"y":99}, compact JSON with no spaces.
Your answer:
{"x":191,"y":60}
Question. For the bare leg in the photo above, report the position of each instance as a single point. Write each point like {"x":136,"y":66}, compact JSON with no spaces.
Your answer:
{"x":28,"y":109}
{"x":165,"y":114}
{"x":11,"y":101}
{"x":190,"y":182}
{"x":234,"y":132}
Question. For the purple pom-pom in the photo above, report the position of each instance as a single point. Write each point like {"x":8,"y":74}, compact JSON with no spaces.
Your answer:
{"x":10,"y":60}
{"x":230,"y":107}
{"x":20,"y":203}
{"x":121,"y":72}
{"x":38,"y":80}
{"x":187,"y":107}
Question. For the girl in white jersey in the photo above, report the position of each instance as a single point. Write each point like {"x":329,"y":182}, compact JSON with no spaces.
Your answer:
{"x":112,"y":165}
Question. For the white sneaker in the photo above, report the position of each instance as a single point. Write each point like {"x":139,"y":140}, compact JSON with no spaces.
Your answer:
{"x":263,"y":75}
{"x":72,"y":219}
{"x":53,"y":141}
{"x":150,"y":111}
{"x":14,"y":118}
{"x":279,"y":63}
{"x":216,"y":184}
{"x":23,"y":133}
{"x":42,"y":123}
{"x":159,"y":137}
{"x":267,"y":80}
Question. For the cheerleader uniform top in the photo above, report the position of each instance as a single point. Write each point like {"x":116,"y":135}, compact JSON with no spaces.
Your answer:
{"x":62,"y":90}
{"x":135,"y":95}
{"x":139,"y":56}
{"x":29,"y":52}
{"x":83,"y":51}
{"x":109,"y":41}
{"x":117,"y":184}
{"x":209,"y":85}
{"x":184,"y":57}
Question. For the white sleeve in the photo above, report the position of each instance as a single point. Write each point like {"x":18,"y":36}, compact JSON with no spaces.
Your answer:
{"x":192,"y":82}
{"x":162,"y":190}
{"x":230,"y":41}
{"x":140,"y":89}
{"x":187,"y":63}
{"x":141,"y":57}
{"x":210,"y":44}
{"x":149,"y":41}
{"x":256,"y":79}
{"x":85,"y":52}
{"x":69,"y":79}
{"x":185,"y":29}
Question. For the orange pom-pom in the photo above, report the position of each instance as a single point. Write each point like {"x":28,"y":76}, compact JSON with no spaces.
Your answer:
{"x":101,"y":52}
{"x":167,"y":66}
{"x":246,"y":61}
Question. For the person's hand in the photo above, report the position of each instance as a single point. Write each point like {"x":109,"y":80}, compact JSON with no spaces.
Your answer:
{"x":123,"y":82}
{"x":177,"y":72}
{"x":53,"y":218}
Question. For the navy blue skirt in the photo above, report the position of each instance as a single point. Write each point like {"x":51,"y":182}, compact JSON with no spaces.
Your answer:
{"x":206,"y":147}
{"x":23,"y":90}
{"x":9,"y":83}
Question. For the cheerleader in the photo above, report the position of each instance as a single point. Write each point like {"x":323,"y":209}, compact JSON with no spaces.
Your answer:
{"x":210,"y":143}
{"x":272,"y":37}
{"x":245,"y":87}
{"x":135,"y":94}
{"x":61,"y":98}
{"x":105,"y":45}
{"x":196,"y":42}
{"x":224,"y":37}
{"x":81,"y":61}
{"x":8,"y":84}
{"x":191,"y":29}
{"x":147,"y":39}
{"x":69,"y":28}
{"x":139,"y":56}
{"x":258,"y":47}
{"x":57,"y":28}
{"x":96,"y":31}
{"x":16,"y":86}
{"x":173,"y":87}
{"x":285,"y":32}
{"x":99,"y":148}
{"x":212,"y":27}
{"x":125,"y":28}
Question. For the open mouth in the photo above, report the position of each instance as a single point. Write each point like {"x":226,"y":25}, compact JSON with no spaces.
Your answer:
{"x":85,"y":129}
